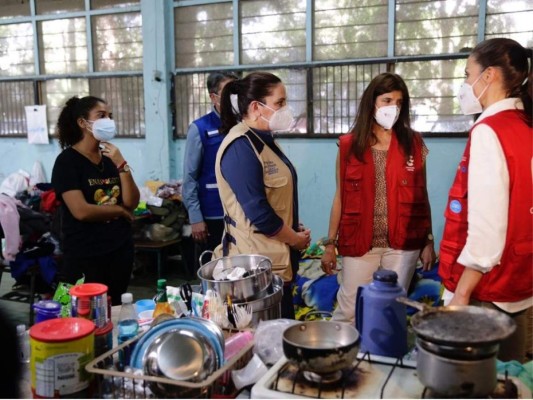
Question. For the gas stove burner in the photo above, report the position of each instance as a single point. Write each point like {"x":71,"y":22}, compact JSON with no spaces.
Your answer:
{"x":505,"y":389}
{"x":324,"y":379}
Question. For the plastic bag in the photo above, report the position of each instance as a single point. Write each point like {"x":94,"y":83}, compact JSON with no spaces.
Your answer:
{"x":37,"y":174}
{"x":14,"y":183}
{"x":269,"y":339}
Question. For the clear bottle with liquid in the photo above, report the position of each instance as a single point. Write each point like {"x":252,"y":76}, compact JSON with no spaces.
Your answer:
{"x":127,"y":326}
{"x":24,"y":343}
{"x":162,"y":306}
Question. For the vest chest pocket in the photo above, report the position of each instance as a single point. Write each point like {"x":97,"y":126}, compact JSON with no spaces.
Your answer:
{"x":276,"y":192}
{"x":352,"y":196}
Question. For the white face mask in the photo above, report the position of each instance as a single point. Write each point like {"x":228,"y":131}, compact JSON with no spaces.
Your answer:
{"x":103,"y":129}
{"x":468,"y":101}
{"x":387,"y":116}
{"x":281,"y":120}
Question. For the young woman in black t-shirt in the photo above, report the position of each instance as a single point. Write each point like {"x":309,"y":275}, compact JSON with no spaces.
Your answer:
{"x":98,"y":195}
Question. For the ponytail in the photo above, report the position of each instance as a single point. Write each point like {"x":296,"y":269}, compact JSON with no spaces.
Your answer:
{"x":525,"y":89}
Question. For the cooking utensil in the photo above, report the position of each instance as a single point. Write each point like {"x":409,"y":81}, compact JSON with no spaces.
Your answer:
{"x":186,"y":295}
{"x":321,"y":347}
{"x":463,"y":325}
{"x":253,"y":286}
{"x":450,"y":377}
{"x":242,"y":315}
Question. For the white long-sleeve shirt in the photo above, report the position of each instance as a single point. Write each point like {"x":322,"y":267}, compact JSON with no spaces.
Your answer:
{"x":488,"y":201}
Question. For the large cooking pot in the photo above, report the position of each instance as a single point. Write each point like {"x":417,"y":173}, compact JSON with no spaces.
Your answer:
{"x":254,"y":286}
{"x":322,"y":347}
{"x":457,"y":347}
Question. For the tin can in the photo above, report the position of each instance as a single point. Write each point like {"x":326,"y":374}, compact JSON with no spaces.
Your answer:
{"x":103,"y":341}
{"x":60,"y":349}
{"x":89,"y":301}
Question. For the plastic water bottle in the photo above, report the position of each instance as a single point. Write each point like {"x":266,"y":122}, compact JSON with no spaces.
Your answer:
{"x":24,"y":343}
{"x":128,"y":327}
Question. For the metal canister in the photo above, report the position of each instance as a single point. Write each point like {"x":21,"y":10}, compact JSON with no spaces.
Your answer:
{"x":89,"y":301}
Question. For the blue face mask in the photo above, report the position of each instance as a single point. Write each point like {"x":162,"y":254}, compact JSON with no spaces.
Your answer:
{"x":103,"y":129}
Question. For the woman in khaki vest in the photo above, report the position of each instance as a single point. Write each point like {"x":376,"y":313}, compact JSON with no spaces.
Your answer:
{"x":257,"y":182}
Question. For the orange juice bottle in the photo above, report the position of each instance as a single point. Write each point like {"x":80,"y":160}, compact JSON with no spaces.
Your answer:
{"x":162,"y":306}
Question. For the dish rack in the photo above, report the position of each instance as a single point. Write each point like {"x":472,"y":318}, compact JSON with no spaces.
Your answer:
{"x":111,"y":383}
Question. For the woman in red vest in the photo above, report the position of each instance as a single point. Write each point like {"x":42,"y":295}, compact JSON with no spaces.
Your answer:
{"x":487,"y":245}
{"x":380,"y":215}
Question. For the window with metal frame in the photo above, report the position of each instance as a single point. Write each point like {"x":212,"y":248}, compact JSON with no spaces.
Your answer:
{"x":64,"y":68}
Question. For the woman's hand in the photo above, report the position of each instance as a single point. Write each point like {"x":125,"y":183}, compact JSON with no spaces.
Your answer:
{"x":303,"y":240}
{"x":428,"y":257}
{"x":112,"y":152}
{"x":328,"y":261}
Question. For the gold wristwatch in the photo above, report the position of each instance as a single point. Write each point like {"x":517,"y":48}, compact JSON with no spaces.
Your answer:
{"x":125,"y":168}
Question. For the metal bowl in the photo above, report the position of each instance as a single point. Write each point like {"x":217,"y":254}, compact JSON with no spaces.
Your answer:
{"x":212,"y":326}
{"x":322,"y":347}
{"x":181,"y":354}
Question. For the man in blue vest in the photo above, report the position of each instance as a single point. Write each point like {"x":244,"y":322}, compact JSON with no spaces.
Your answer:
{"x":200,"y":191}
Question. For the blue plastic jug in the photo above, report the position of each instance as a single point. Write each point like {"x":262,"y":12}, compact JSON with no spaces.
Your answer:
{"x":379,"y":318}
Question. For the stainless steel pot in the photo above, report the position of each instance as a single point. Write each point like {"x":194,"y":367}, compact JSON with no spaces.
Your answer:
{"x":268,"y":307}
{"x":449,"y":377}
{"x":254,"y":286}
{"x":322,"y":347}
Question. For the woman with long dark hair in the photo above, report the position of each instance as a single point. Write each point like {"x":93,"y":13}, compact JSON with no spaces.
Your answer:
{"x":380,"y":215}
{"x":98,"y":195}
{"x":256,"y":180}
{"x":486,"y":249}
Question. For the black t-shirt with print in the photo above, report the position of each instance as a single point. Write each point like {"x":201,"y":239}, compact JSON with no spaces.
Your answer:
{"x":100,"y":184}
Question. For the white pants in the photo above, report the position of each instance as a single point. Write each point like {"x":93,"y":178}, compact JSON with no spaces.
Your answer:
{"x":357,"y":271}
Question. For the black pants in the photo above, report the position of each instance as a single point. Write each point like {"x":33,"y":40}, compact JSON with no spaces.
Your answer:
{"x":112,"y":269}
{"x":192,"y":250}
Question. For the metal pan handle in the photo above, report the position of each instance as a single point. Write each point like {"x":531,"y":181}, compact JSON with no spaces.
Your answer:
{"x":261,"y":262}
{"x":416,"y":304}
{"x":202,"y":256}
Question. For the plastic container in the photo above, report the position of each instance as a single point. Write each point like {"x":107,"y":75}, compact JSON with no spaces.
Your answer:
{"x":46,"y":309}
{"x":60,"y":349}
{"x":379,"y":318}
{"x":144,"y":305}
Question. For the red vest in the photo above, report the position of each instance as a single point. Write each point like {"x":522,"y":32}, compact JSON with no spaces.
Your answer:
{"x":408,"y":214}
{"x":512,"y":279}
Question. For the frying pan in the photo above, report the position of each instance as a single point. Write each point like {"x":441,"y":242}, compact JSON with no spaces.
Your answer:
{"x":459,"y":325}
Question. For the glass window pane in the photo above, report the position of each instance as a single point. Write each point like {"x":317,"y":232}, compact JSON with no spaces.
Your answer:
{"x":14,"y":8}
{"x":16,"y":50}
{"x":56,"y":92}
{"x":295,"y":83}
{"x":350,"y":29}
{"x":204,"y":35}
{"x":435,"y":26}
{"x":58,"y":6}
{"x":63,"y":46}
{"x":336,"y":94}
{"x":192,"y":100}
{"x":510,"y":19}
{"x":117,"y":42}
{"x":432,"y":86}
{"x":15,"y":95}
{"x":95,"y":4}
{"x":272,"y":31}
{"x":125,"y":96}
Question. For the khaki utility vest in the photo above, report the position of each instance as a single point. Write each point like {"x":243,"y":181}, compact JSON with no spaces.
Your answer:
{"x":241,"y":236}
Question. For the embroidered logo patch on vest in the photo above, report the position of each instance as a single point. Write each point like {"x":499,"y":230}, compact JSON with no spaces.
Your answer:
{"x":270,"y":167}
{"x":455,"y":206}
{"x":410,"y":164}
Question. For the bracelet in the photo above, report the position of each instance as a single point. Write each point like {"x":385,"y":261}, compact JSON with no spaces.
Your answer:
{"x":329,"y":241}
{"x":121,"y":165}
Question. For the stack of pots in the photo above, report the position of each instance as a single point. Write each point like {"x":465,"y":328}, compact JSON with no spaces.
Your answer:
{"x":260,"y":289}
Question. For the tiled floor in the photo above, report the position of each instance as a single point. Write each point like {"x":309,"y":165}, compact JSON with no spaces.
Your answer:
{"x":142,"y":285}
